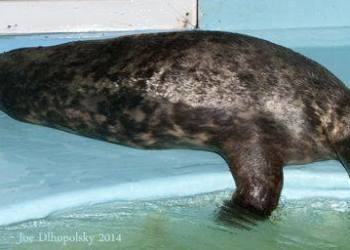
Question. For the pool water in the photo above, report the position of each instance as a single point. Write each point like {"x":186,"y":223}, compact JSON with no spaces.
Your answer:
{"x":59,"y":191}
{"x":184,"y":223}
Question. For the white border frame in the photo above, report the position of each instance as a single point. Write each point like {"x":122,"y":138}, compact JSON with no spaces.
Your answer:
{"x":52,"y":16}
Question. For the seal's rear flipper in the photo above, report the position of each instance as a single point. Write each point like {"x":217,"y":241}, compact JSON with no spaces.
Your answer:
{"x":258,"y":173}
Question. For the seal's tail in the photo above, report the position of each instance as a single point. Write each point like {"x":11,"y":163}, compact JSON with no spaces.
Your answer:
{"x":11,"y":74}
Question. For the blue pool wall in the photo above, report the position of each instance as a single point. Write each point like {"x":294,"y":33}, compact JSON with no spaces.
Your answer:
{"x":317,"y":29}
{"x":273,"y":14}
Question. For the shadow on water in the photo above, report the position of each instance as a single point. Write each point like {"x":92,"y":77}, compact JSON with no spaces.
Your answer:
{"x":230,"y":214}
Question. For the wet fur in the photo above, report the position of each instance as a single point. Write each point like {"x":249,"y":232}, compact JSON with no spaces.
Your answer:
{"x":259,"y":105}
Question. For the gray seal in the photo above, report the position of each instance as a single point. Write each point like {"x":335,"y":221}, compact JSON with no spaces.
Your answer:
{"x":259,"y":105}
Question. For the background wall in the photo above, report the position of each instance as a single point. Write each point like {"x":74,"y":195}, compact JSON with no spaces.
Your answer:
{"x":47,"y":16}
{"x":315,"y":28}
{"x":294,"y":23}
{"x":274,"y":14}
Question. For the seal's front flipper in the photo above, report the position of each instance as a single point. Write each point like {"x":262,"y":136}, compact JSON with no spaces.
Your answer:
{"x":342,"y":149}
{"x":257,"y":170}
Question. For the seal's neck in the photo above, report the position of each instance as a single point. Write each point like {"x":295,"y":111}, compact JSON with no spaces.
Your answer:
{"x":339,"y":131}
{"x":338,"y":127}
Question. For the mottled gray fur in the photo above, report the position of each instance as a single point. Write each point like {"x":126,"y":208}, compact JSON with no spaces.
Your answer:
{"x":259,"y":105}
